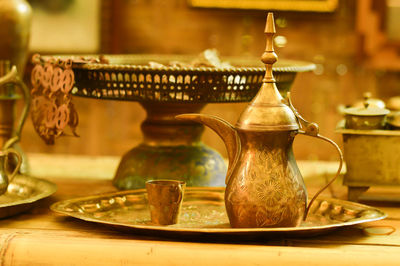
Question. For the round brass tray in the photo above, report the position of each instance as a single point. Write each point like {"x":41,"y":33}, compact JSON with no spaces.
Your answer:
{"x":203,"y":214}
{"x":22,"y":193}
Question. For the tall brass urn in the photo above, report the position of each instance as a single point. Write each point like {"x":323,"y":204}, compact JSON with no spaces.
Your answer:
{"x":15,"y":21}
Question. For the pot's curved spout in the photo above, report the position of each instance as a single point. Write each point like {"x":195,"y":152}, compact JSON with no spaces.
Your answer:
{"x":225,"y":130}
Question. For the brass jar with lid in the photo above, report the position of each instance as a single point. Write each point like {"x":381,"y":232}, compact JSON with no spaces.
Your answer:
{"x":366,"y":117}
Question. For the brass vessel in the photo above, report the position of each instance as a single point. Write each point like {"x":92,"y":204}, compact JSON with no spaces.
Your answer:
{"x":10,"y":136}
{"x":366,"y":117}
{"x":9,"y":81}
{"x":171,"y":148}
{"x":264,"y":185}
{"x":372,"y":159}
{"x":371,"y":145}
{"x":23,"y":193}
{"x":15,"y":21}
{"x":165,"y":200}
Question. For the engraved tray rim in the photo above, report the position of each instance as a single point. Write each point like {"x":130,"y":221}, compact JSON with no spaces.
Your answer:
{"x":311,"y":230}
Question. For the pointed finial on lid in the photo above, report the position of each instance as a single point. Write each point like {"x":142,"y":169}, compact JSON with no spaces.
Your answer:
{"x":269,"y":57}
{"x":270,"y":25}
{"x":267,"y":111}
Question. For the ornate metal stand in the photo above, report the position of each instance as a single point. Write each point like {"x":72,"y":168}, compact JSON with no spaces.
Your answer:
{"x":172,"y":148}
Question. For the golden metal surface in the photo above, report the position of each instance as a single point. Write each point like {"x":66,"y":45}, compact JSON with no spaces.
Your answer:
{"x":7,"y":176}
{"x":371,"y":102}
{"x":372,"y":158}
{"x":9,"y":135}
{"x":15,"y":21}
{"x":264,"y":185}
{"x":203,"y":213}
{"x":9,"y":77}
{"x":171,"y":148}
{"x":165,"y":200}
{"x":371,"y":142}
{"x":22,"y":193}
{"x":367,"y":122}
{"x":365,"y":117}
{"x":131,"y":78}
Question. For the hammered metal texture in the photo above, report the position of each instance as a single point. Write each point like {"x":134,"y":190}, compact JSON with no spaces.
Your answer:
{"x":203,"y":213}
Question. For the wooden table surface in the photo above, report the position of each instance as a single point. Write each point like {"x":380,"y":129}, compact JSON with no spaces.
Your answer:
{"x":41,"y":237}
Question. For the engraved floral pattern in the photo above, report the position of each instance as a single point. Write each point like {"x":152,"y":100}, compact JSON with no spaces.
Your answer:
{"x":268,"y":192}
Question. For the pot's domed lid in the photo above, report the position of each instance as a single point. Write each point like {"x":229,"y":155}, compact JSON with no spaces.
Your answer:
{"x":267,"y":111}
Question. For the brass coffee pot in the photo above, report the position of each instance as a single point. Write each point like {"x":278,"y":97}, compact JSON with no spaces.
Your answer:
{"x":264,"y":185}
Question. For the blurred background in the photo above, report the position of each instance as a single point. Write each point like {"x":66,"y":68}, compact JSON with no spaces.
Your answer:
{"x":354,"y":44}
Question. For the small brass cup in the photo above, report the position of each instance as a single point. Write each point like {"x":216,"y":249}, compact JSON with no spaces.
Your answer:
{"x":165,"y":200}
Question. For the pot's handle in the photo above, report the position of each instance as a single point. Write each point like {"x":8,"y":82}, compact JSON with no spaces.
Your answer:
{"x":7,"y":153}
{"x":312,"y":129}
{"x":13,"y":78}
